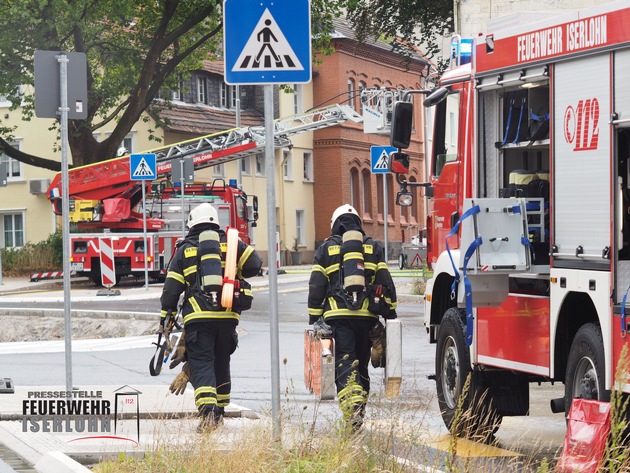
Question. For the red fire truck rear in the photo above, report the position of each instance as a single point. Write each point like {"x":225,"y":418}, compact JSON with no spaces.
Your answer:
{"x":528,"y":224}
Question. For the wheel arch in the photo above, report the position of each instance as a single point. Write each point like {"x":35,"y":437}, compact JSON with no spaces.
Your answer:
{"x":577,"y":310}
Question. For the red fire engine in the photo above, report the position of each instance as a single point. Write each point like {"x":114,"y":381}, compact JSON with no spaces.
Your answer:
{"x":106,"y":202}
{"x":528,"y":225}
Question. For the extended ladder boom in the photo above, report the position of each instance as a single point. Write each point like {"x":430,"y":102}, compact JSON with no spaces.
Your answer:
{"x":111,"y":178}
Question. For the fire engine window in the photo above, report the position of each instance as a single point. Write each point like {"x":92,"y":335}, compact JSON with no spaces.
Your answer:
{"x":241,"y":209}
{"x":80,"y":246}
{"x":446,"y":133}
{"x":138,"y":246}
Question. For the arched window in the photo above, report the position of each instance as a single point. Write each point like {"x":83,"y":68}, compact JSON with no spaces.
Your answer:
{"x":355,"y":192}
{"x":414,"y":208}
{"x":366,"y":195}
{"x":351,"y":94}
{"x":361,"y":87}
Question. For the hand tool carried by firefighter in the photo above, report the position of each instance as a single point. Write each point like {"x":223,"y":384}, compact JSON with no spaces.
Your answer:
{"x":163,"y":349}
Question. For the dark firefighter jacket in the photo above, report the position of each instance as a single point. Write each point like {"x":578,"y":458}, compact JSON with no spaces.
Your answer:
{"x":325,"y":277}
{"x":182,"y":274}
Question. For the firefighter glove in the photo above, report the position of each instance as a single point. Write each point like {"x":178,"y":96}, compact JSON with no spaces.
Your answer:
{"x":378,"y":341}
{"x":178,"y":386}
{"x":179,"y":354}
{"x":322,"y":329}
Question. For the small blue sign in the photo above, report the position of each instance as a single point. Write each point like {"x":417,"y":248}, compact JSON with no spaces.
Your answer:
{"x":142,"y":167}
{"x":267,"y":41}
{"x":380,"y":158}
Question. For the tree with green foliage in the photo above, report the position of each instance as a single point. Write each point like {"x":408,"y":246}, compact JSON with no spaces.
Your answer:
{"x":137,"y":48}
{"x":411,"y":22}
{"x":134,"y":50}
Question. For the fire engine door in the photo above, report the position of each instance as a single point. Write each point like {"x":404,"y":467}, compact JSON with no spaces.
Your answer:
{"x":581,"y":163}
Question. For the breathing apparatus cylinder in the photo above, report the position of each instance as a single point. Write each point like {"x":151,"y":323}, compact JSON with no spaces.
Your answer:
{"x":353,"y":267}
{"x":210,"y":265}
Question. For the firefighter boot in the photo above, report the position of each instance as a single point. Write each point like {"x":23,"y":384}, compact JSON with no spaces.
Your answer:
{"x":211,"y":419}
{"x":178,"y":385}
{"x":378,"y":340}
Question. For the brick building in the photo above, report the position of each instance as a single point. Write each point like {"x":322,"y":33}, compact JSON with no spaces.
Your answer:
{"x":343,"y":168}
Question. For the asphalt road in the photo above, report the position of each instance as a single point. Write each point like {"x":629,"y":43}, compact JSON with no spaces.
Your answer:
{"x":537,"y":436}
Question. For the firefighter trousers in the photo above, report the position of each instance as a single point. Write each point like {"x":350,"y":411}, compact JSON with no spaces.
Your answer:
{"x":352,"y":355}
{"x":209,"y":345}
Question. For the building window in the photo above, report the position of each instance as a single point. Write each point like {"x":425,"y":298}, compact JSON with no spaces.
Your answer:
{"x":246,"y":167}
{"x":178,"y":93}
{"x":414,"y":209}
{"x":299,"y":227}
{"x":202,"y":90}
{"x":218,"y":170}
{"x":366,"y":194}
{"x":13,"y":230}
{"x":361,"y":87}
{"x":13,"y":166}
{"x":228,"y":96}
{"x":351,"y":93}
{"x":297,"y":99}
{"x":287,"y":165}
{"x":355,"y":194}
{"x":260,"y":164}
{"x":308,"y":166}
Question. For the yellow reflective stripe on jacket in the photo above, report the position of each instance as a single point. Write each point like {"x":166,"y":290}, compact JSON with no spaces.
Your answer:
{"x":381,"y":265}
{"x":319,"y":269}
{"x":176,"y":276}
{"x":315,"y":312}
{"x":353,"y":255}
{"x":332,"y":268}
{"x":190,"y":270}
{"x":248,"y":251}
{"x":211,"y":315}
{"x":370,"y":266}
{"x":210,"y":256}
{"x":336,"y":311}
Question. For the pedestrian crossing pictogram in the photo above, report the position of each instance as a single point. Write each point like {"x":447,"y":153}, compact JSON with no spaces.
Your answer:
{"x":267,"y":49}
{"x":382,"y":162}
{"x":143,"y":170}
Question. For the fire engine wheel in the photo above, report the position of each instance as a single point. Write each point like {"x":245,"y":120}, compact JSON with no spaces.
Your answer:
{"x":465,"y":409}
{"x":402,"y":261}
{"x":585,"y":367}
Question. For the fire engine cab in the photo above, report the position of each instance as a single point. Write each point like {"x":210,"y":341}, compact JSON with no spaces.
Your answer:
{"x":528,"y":223}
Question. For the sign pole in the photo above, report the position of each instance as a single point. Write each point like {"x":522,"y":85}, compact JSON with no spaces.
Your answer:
{"x":65,"y":211}
{"x":183,"y":185}
{"x":272,"y":269}
{"x":144,"y":230}
{"x":385,"y":211}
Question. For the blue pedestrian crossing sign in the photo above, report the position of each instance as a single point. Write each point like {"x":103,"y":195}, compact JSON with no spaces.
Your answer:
{"x":142,"y":167}
{"x":267,"y":41}
{"x":380,"y":158}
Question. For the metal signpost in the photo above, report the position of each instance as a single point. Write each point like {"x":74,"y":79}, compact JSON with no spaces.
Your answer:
{"x":51,"y":101}
{"x":265,"y":43}
{"x":142,"y":167}
{"x":380,"y":160}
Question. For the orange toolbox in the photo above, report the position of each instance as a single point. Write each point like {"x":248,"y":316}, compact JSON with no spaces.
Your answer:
{"x":319,"y":365}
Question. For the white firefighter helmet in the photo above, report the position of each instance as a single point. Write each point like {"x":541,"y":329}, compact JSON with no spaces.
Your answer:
{"x":203,"y":213}
{"x":342,"y":210}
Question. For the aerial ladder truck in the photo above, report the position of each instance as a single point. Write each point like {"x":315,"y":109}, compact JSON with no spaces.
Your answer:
{"x":106,"y":202}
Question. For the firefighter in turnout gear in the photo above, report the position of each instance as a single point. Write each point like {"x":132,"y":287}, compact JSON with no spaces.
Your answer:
{"x":209,"y":329}
{"x":349,"y":287}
